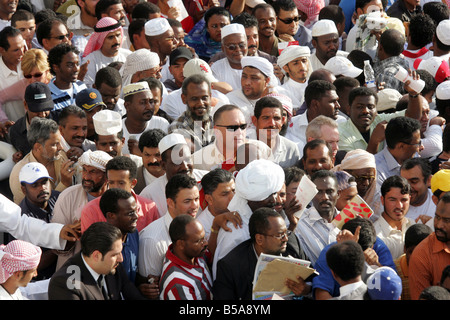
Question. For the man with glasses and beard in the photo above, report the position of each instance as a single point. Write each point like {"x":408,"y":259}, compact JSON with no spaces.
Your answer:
{"x":70,"y":202}
{"x":431,"y":256}
{"x":195,"y":124}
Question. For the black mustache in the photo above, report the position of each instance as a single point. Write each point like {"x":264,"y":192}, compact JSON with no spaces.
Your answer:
{"x":154,"y":164}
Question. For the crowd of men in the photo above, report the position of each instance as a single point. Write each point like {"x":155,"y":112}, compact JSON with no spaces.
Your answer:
{"x":154,"y":149}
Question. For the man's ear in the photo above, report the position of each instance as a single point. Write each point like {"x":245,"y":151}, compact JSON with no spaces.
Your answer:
{"x":184,"y":99}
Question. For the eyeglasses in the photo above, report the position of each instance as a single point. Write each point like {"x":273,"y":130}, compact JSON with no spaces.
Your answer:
{"x":290,"y":20}
{"x":234,"y":46}
{"x":413,"y":144}
{"x":280,"y":236}
{"x":36,"y":75}
{"x":61,"y":37}
{"x":361,"y":179}
{"x":235,"y":127}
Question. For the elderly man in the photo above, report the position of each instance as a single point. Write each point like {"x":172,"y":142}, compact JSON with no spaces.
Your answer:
{"x":295,"y":64}
{"x":234,"y":44}
{"x":70,"y":202}
{"x":256,"y":187}
{"x":139,"y":65}
{"x":140,"y":107}
{"x":175,"y":159}
{"x":325,"y":128}
{"x":104,"y":47}
{"x":44,"y":138}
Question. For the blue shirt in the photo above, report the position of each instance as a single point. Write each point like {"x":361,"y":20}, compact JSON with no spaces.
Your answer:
{"x":130,"y":255}
{"x":325,"y":279}
{"x":199,"y":39}
{"x":61,"y":98}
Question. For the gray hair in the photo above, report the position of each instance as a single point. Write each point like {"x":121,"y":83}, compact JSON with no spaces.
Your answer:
{"x":313,"y":130}
{"x":40,"y":130}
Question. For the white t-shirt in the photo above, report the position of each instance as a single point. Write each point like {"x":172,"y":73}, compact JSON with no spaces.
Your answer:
{"x":427,"y":208}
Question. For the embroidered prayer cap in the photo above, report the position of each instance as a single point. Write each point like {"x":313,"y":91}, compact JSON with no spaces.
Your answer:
{"x":171,"y":140}
{"x":441,"y":181}
{"x":437,"y":67}
{"x":253,"y":3}
{"x":107,"y":122}
{"x":198,"y":66}
{"x":292,"y":52}
{"x":97,"y":159}
{"x":39,"y":97}
{"x":156,"y":27}
{"x":103,"y":27}
{"x":88,"y":99}
{"x":387,"y":99}
{"x":384,"y":284}
{"x":232,"y":29}
{"x":339,"y":65}
{"x":139,"y":60}
{"x":263,"y":65}
{"x":32,"y":172}
{"x":311,"y":8}
{"x":443,"y":32}
{"x":443,"y":90}
{"x":18,"y":255}
{"x":285,"y":101}
{"x":323,"y":27}
{"x":136,"y":87}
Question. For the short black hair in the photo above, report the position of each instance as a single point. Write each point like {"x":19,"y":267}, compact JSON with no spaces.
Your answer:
{"x":136,"y":26}
{"x":68,"y":111}
{"x":110,"y":199}
{"x":423,"y":164}
{"x":415,"y":234}
{"x":195,"y":79}
{"x":317,"y":89}
{"x":367,"y":233}
{"x":400,"y":129}
{"x":221,"y":11}
{"x":213,"y":178}
{"x":430,"y":82}
{"x":395,"y":182}
{"x":99,"y":236}
{"x":311,"y":145}
{"x":437,"y":10}
{"x":246,"y":19}
{"x":267,"y":102}
{"x":102,"y":6}
{"x":259,"y":221}
{"x":177,"y":228}
{"x":286,"y":5}
{"x":178,"y":182}
{"x":43,"y":31}
{"x":293,"y":174}
{"x":151,"y":139}
{"x":8,"y":32}
{"x":345,"y":82}
{"x":57,"y":53}
{"x":21,"y":15}
{"x":332,"y":12}
{"x":320,"y":174}
{"x":144,"y":9}
{"x":109,"y":76}
{"x":222,"y":109}
{"x":123,"y":163}
{"x":421,"y":30}
{"x":346,"y":259}
{"x":393,"y":42}
{"x":361,"y":91}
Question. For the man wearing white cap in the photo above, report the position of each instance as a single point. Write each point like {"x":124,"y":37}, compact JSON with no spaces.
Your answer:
{"x":326,"y":42}
{"x":140,"y":107}
{"x":342,"y":67}
{"x":139,"y":65}
{"x":443,"y":100}
{"x":18,"y":265}
{"x":441,"y":40}
{"x":234,"y":44}
{"x":70,"y":202}
{"x":175,"y":159}
{"x":295,"y":64}
{"x":104,"y":47}
{"x":256,"y":187}
{"x":160,"y":37}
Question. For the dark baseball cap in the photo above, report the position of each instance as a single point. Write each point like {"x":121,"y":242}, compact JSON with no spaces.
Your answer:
{"x":88,"y":99}
{"x":180,"y":52}
{"x":39,"y":97}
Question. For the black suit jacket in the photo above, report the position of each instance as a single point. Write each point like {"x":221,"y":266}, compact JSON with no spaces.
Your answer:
{"x":73,"y":281}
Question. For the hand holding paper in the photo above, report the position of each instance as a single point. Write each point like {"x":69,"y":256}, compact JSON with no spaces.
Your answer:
{"x":306,"y":191}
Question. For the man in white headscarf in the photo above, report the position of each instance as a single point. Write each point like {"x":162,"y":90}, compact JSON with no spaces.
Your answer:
{"x":18,"y":265}
{"x":295,"y":64}
{"x":256,"y":187}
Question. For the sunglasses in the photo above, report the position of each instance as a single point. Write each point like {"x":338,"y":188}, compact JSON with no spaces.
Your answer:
{"x":233,"y":46}
{"x":61,"y":37}
{"x":36,"y":75}
{"x":290,"y":20}
{"x":235,"y":127}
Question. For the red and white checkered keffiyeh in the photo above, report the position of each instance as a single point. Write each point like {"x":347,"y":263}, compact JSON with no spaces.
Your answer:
{"x":16,"y":256}
{"x":311,"y":8}
{"x":103,"y":27}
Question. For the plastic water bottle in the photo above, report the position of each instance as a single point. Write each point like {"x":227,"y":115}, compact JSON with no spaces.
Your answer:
{"x":369,"y":74}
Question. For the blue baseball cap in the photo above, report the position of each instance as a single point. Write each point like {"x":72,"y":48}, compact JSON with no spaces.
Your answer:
{"x":384,"y":284}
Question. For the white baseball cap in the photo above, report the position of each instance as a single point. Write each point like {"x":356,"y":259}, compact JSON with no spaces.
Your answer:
{"x":340,"y":65}
{"x":32,"y":172}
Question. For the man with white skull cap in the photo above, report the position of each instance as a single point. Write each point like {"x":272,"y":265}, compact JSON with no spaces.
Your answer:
{"x":256,"y":187}
{"x":234,"y":45}
{"x":441,"y":40}
{"x":70,"y":202}
{"x":295,"y":64}
{"x":443,"y":100}
{"x":140,"y":64}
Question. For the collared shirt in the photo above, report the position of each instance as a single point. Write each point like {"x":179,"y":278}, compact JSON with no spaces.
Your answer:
{"x":348,"y":289}
{"x":314,"y":233}
{"x":385,"y":71}
{"x":61,"y":98}
{"x":386,"y":166}
{"x":426,"y":264}
{"x":183,"y":281}
{"x":393,"y":238}
{"x":34,"y":211}
{"x":201,"y":133}
{"x":14,"y":110}
{"x":154,"y":241}
{"x":350,"y":138}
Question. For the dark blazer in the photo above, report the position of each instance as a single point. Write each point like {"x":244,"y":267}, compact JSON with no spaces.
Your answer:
{"x":73,"y":281}
{"x":140,"y":185}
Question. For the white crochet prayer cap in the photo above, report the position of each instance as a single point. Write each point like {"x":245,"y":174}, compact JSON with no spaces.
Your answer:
{"x":107,"y":122}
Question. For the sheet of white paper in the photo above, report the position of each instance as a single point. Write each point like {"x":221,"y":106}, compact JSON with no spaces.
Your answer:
{"x":305,"y":193}
{"x":179,"y":4}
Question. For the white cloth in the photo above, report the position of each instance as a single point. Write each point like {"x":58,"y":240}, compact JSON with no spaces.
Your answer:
{"x":223,"y":72}
{"x":14,"y":110}
{"x":154,"y":123}
{"x":206,"y":219}
{"x":29,"y":229}
{"x":316,"y":64}
{"x":154,"y":240}
{"x":427,"y":208}
{"x":99,"y":61}
{"x":432,"y":142}
{"x":5,"y":295}
{"x":393,"y":238}
{"x":246,"y":105}
{"x":296,"y":91}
